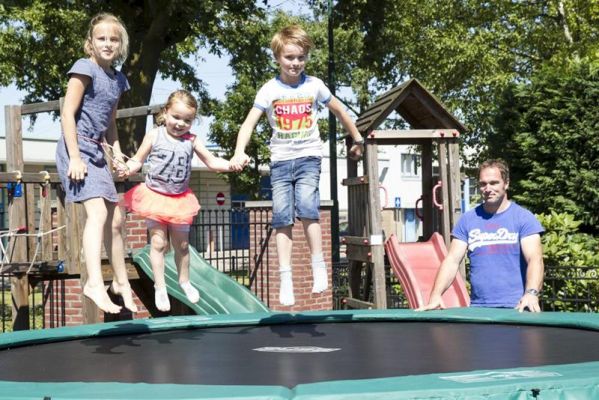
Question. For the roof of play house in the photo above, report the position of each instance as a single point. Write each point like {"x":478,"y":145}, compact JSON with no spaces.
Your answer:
{"x":416,"y":105}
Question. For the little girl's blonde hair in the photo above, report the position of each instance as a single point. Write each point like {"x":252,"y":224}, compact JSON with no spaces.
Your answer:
{"x":179,"y":95}
{"x":107,"y":17}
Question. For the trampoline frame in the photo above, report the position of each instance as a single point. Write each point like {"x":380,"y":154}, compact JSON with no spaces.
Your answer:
{"x":552,"y":381}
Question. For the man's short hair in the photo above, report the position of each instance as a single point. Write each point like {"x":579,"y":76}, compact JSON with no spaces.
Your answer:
{"x":499,"y":164}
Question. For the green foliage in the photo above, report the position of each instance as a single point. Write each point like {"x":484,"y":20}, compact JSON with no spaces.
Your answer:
{"x":564,"y":245}
{"x":547,"y":131}
{"x":465,"y":51}
{"x":572,"y":261}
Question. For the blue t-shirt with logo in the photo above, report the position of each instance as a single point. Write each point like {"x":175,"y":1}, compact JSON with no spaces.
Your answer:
{"x":497,"y":264}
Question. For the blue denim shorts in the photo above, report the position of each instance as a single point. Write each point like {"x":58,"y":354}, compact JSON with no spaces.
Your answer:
{"x":295,"y":191}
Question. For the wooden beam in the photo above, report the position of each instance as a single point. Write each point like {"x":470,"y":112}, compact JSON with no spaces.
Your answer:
{"x":427,"y":189}
{"x":28,"y":177}
{"x":428,"y":134}
{"x":17,"y":246}
{"x":138,"y":111}
{"x":376,"y":226}
{"x":352,"y":302}
{"x":61,"y":219}
{"x":45,"y":202}
{"x":444,"y":178}
{"x":34,"y":108}
{"x":355,"y":181}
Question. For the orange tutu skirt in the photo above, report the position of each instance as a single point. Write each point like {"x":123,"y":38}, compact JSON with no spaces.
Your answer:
{"x":175,"y":209}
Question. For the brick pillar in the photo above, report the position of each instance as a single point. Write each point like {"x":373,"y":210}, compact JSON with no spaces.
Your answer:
{"x":267,"y":275}
{"x":136,"y":232}
{"x":69,"y":295}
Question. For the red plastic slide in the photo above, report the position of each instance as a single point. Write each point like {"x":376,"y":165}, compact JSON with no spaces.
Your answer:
{"x":416,"y":265}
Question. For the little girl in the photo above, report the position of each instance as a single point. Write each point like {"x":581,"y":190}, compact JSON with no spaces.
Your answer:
{"x":165,"y":199}
{"x":88,"y":119}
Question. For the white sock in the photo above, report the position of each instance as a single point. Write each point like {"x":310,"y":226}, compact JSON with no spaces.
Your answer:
{"x":161,"y":299}
{"x":286,"y":296}
{"x":192,"y":293}
{"x":319,"y":274}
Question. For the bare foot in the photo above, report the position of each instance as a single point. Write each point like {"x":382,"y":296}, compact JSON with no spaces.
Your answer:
{"x":125,"y":292}
{"x":99,"y":296}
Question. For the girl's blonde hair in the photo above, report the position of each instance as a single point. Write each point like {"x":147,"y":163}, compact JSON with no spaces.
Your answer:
{"x":179,"y":95}
{"x":107,"y":17}
{"x":292,"y":34}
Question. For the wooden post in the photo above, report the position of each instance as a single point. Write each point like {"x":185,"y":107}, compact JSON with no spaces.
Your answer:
{"x":29,"y":193}
{"x":376,"y":226}
{"x":445,"y":184}
{"x":427,"y":188}
{"x":45,"y":252}
{"x":17,"y":248}
{"x":61,"y":219}
{"x":455,"y":190}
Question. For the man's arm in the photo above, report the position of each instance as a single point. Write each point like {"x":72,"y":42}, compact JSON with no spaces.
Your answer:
{"x":446,"y":274}
{"x":532,"y":249}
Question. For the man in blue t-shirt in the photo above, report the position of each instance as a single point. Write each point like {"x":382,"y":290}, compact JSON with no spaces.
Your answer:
{"x":503,"y":242}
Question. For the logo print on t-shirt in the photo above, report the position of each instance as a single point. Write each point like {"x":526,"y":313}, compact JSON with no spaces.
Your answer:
{"x":293,"y":117}
{"x":477,"y":238}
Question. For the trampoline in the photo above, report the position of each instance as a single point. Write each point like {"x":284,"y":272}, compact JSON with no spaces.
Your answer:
{"x":399,"y":354}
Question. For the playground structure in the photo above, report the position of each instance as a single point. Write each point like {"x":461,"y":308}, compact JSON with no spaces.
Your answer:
{"x":416,"y":264}
{"x":435,"y":131}
{"x":43,"y":239}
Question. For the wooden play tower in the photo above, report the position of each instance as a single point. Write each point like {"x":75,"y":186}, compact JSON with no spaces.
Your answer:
{"x":436,"y":131}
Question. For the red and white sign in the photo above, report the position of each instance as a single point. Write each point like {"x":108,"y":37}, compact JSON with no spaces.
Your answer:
{"x":220,"y":198}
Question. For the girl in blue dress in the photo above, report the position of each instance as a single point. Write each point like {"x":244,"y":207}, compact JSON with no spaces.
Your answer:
{"x":88,"y":120}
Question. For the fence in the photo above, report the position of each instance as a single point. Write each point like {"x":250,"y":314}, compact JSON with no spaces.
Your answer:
{"x":565,"y":288}
{"x":235,"y":242}
{"x":234,"y":245}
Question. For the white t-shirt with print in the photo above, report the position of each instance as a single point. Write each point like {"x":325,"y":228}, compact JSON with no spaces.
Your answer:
{"x":292,"y":114}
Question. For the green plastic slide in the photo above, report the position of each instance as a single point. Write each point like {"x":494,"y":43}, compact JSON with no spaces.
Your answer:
{"x":219,"y":294}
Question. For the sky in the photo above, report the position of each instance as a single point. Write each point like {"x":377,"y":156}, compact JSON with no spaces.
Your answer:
{"x":214,"y":71}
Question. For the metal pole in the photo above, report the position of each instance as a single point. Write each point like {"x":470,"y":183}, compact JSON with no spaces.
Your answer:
{"x":333,"y":142}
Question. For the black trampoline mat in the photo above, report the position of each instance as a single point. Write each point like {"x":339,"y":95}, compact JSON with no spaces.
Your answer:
{"x":298,"y":353}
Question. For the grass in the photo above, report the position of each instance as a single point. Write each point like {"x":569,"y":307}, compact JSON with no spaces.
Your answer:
{"x":6,"y":309}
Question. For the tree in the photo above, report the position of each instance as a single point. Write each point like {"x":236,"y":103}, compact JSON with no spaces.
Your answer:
{"x":465,"y":51}
{"x":40,"y":40}
{"x":547,"y":129}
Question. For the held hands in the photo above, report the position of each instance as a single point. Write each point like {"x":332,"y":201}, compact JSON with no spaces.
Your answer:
{"x":120,"y":168}
{"x":238,"y":162}
{"x":131,"y":167}
{"x":77,"y":169}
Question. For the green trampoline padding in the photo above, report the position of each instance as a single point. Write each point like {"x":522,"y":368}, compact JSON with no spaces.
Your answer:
{"x":559,"y":381}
